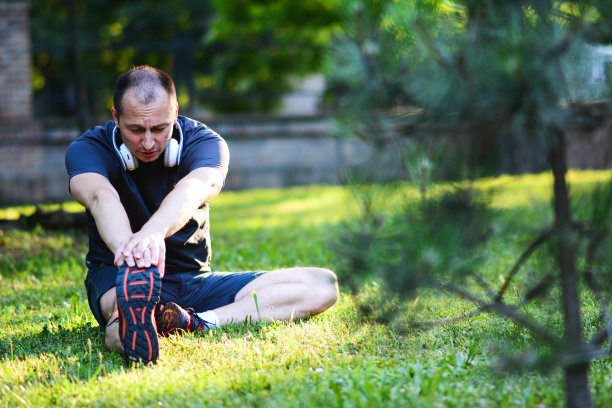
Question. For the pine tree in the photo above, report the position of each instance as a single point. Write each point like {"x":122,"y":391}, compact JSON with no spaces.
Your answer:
{"x":492,"y":71}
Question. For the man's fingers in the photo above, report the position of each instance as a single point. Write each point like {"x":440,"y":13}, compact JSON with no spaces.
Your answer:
{"x":154,"y":255}
{"x":119,"y":257}
{"x":133,"y":252}
{"x":130,"y":248}
{"x":161,"y":265}
{"x":139,"y":250}
{"x":146,"y":258}
{"x":130,"y":261}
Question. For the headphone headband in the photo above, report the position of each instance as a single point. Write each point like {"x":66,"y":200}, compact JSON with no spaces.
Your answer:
{"x":180,"y":145}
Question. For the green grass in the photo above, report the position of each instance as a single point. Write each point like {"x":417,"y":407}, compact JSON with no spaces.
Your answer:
{"x":51,"y":350}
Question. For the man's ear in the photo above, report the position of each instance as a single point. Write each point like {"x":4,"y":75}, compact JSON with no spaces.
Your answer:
{"x":115,"y":117}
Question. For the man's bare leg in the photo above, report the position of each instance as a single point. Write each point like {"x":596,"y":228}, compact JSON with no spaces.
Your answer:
{"x":108,"y":308}
{"x":283,"y":294}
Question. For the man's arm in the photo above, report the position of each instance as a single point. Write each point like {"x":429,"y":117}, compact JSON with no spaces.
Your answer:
{"x":146,"y":246}
{"x":97,"y":194}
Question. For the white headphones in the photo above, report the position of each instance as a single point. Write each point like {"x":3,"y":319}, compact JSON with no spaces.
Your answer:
{"x":172,"y":154}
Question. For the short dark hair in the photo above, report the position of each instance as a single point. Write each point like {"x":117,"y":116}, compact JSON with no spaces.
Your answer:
{"x":146,"y":81}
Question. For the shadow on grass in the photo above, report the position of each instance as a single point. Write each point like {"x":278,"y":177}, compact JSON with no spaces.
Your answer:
{"x":77,"y":352}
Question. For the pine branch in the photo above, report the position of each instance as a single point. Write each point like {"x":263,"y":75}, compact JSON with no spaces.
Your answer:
{"x":483,"y":284}
{"x":539,"y":288}
{"x":558,"y":49}
{"x":601,"y":336}
{"x":470,"y":315}
{"x":505,"y":310}
{"x":541,"y":239}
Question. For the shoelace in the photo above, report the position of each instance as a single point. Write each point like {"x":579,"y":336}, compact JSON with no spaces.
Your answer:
{"x":202,"y":324}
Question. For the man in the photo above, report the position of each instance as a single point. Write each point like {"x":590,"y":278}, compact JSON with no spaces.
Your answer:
{"x":146,"y":178}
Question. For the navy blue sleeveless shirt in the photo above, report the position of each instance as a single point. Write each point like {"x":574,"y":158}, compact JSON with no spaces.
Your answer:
{"x":142,"y":190}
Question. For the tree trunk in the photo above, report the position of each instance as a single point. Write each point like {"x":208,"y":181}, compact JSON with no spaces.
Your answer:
{"x":577,"y":393}
{"x":576,"y":372}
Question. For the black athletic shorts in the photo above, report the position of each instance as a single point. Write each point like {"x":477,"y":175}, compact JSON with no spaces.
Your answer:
{"x":198,"y":290}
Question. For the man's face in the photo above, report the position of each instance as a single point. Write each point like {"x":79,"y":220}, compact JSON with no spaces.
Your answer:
{"x":146,"y":129}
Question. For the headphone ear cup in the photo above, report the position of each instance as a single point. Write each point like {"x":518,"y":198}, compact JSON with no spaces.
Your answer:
{"x":172,"y":153}
{"x":129,"y":160}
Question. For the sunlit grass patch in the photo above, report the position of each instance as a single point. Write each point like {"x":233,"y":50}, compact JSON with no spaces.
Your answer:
{"x":298,"y":206}
{"x":14,"y":212}
{"x":529,"y":189}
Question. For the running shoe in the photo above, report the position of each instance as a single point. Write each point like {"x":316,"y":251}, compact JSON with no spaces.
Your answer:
{"x":173,"y":319}
{"x":138,"y":292}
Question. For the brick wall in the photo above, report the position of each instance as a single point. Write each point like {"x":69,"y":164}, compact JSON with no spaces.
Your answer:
{"x":28,"y":169}
{"x":15,"y":88}
{"x":17,"y":125}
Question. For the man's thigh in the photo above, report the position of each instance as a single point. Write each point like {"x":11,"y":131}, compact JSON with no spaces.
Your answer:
{"x":208,"y":291}
{"x":311,"y":277}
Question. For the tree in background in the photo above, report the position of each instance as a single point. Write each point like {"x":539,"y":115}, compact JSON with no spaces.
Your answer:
{"x":227,"y":56}
{"x":486,"y":72}
{"x":81,"y":47}
{"x":262,"y":45}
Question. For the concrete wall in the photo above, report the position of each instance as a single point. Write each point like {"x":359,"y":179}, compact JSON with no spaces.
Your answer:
{"x":278,"y":162}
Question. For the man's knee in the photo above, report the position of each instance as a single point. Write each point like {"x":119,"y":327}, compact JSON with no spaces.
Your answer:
{"x":324,"y":284}
{"x":324,"y":276}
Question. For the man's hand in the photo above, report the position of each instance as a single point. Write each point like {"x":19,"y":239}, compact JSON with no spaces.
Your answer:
{"x":143,"y":249}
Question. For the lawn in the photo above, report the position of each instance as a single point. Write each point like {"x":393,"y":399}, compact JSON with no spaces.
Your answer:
{"x":51,"y":349}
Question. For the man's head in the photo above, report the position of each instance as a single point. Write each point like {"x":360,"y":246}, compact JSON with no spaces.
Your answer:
{"x":145,"y":110}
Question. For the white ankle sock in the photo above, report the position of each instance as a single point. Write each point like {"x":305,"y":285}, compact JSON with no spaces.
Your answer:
{"x":210,"y":317}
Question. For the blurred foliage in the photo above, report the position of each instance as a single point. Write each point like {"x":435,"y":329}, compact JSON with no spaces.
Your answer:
{"x":226,"y":56}
{"x":487,"y":75}
{"x":93,"y":43}
{"x":420,"y":243}
{"x":262,"y":45}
